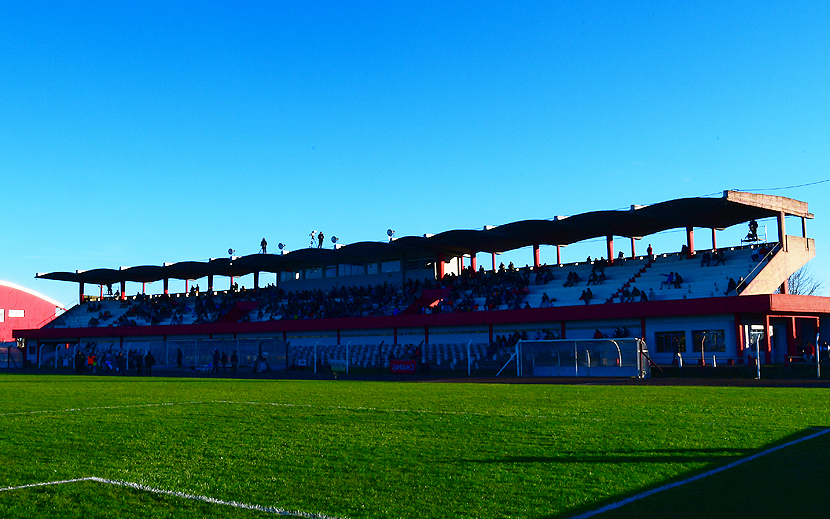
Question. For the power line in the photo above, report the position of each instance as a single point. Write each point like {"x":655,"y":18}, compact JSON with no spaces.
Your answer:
{"x":787,"y":187}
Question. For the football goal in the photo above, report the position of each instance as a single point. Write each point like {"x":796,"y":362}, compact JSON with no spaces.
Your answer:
{"x":581,"y":358}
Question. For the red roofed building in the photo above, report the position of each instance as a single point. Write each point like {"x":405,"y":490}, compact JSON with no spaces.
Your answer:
{"x":23,"y":309}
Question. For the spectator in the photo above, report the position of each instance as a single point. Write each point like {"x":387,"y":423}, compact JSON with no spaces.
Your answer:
{"x":586,"y":296}
{"x":149,"y":362}
{"x":263,"y":245}
{"x":669,"y":280}
{"x":809,"y":353}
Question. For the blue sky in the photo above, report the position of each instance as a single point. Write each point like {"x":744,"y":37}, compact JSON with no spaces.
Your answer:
{"x":143,"y":133}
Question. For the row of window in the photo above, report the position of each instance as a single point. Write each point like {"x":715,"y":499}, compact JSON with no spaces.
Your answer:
{"x":674,"y":342}
{"x":331,"y":271}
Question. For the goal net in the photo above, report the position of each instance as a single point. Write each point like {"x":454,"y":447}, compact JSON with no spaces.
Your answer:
{"x":581,"y":358}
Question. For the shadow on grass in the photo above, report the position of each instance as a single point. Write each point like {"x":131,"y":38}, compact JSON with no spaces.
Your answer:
{"x":651,"y":456}
{"x":773,"y":485}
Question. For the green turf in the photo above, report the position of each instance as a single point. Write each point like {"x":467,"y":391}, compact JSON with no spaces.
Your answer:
{"x":365,"y":449}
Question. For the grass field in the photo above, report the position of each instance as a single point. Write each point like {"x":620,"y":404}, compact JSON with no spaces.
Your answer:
{"x":382,"y":449}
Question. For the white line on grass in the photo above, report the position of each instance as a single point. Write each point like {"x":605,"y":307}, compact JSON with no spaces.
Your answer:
{"x":192,"y":497}
{"x":98,"y":408}
{"x":647,"y":493}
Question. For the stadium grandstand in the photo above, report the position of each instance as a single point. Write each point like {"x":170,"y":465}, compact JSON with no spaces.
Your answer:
{"x":425,"y":298}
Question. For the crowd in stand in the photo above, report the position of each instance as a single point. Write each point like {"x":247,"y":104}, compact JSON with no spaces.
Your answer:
{"x":507,"y":287}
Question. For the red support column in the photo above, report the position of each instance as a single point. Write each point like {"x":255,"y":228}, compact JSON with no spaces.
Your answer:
{"x":714,"y":240}
{"x":123,"y":290}
{"x":609,"y":244}
{"x":690,"y":242}
{"x":440,"y":265}
{"x":558,"y":254}
{"x":210,"y":283}
{"x":739,"y":336}
{"x":80,"y":292}
{"x":473,"y":265}
{"x":256,"y":281}
{"x":102,"y":292}
{"x":767,"y":342}
{"x":166,"y":286}
{"x":493,"y":256}
{"x":633,"y":251}
{"x":536,"y":263}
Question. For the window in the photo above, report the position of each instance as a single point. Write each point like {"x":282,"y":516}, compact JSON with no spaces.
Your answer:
{"x":351,"y":270}
{"x":314,"y":273}
{"x":289,"y":276}
{"x":16,"y":313}
{"x":663,"y":341}
{"x":714,"y":340}
{"x":390,"y":266}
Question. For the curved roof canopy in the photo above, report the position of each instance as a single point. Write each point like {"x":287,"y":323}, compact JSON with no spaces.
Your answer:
{"x":732,"y":208}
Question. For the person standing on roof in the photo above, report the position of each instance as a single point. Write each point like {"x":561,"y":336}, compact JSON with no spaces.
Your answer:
{"x":263,"y":244}
{"x":320,"y":240}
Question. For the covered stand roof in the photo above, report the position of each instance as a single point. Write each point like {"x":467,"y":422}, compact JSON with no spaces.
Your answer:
{"x":732,"y":208}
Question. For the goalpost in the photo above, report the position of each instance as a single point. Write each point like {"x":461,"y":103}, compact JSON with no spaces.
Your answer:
{"x":581,"y":358}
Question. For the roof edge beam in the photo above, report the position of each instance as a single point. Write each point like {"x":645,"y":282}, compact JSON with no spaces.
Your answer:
{"x":775,"y":203}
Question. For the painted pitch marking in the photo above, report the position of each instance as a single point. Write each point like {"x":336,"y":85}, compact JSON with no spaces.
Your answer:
{"x":182,"y":495}
{"x":647,"y":493}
